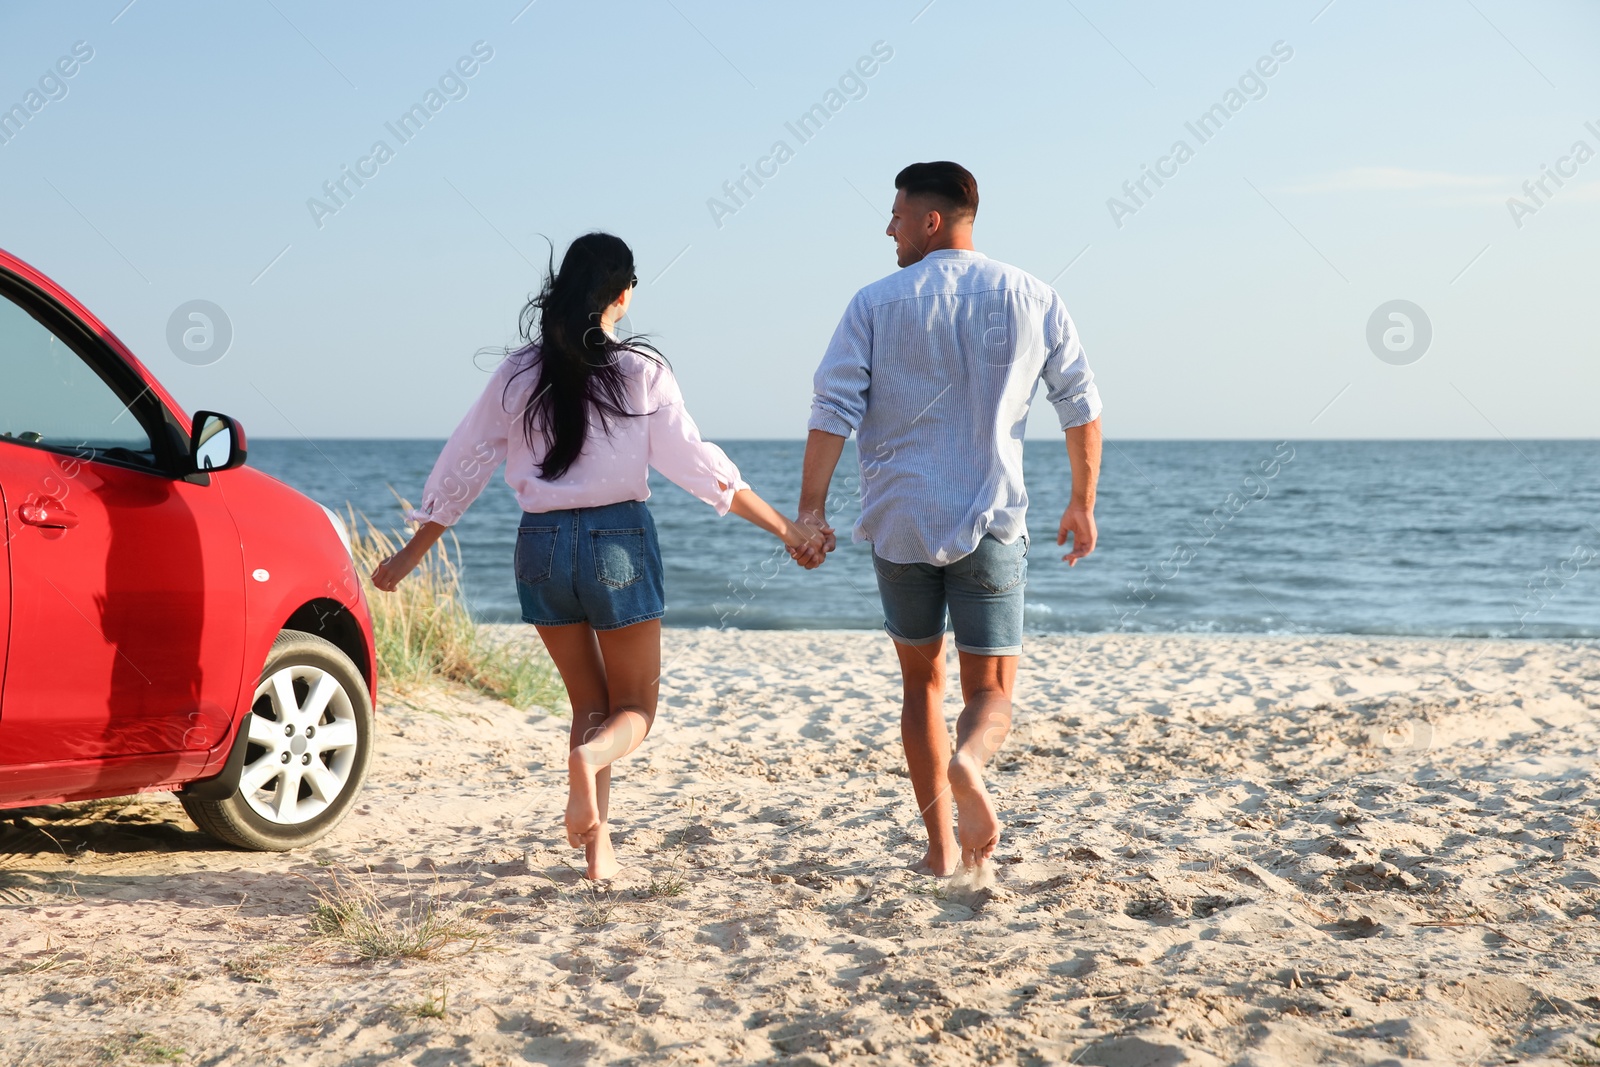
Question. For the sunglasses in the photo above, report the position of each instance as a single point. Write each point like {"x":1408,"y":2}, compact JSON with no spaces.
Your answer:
{"x":635,"y":283}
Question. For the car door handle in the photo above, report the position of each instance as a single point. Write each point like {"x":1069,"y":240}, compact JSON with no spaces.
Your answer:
{"x":50,"y":515}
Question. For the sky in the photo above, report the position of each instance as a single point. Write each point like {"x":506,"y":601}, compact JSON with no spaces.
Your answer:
{"x":1358,"y":153}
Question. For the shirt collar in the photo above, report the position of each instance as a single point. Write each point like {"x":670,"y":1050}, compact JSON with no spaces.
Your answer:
{"x":955,"y":253}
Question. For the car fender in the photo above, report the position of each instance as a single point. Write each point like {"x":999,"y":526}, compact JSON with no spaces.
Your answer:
{"x":292,"y":558}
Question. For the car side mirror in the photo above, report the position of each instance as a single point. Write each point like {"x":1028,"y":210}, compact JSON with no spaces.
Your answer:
{"x":216,"y":443}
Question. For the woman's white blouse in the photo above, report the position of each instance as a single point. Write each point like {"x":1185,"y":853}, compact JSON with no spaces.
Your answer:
{"x":611,"y":468}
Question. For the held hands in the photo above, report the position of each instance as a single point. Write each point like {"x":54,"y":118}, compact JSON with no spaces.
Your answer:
{"x":809,"y":540}
{"x":815,"y":522}
{"x":1078,"y":521}
{"x":808,"y":543}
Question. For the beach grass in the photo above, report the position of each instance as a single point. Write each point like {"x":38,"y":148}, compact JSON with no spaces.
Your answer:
{"x":350,"y":914}
{"x":424,"y":631}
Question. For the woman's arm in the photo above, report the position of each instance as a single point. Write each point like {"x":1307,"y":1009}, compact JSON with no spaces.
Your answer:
{"x":389,"y":573}
{"x":678,"y":451}
{"x":805,"y":546}
{"x":469,"y":459}
{"x":474,"y":452}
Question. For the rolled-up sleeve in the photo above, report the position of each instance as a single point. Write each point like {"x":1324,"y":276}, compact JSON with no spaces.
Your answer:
{"x":471,"y":456}
{"x":1069,"y":383}
{"x":840,"y":387}
{"x":678,"y":452}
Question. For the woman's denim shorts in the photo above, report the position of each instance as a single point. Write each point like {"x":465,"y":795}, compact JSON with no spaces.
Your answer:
{"x":981,"y":592}
{"x":598,"y":565}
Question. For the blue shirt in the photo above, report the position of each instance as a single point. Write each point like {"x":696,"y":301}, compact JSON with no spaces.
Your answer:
{"x":934,"y":369}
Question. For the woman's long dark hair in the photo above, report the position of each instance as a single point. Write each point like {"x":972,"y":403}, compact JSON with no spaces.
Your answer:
{"x":577,"y":364}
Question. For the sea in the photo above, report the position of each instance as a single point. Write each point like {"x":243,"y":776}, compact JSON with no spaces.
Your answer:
{"x":1421,"y":538}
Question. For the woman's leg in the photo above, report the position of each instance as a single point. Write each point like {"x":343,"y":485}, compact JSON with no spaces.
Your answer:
{"x":628,"y":664}
{"x":576,"y":655}
{"x":632,"y":656}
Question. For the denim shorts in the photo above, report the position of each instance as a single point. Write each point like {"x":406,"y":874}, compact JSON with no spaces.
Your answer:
{"x":598,"y":565}
{"x":982,"y":593}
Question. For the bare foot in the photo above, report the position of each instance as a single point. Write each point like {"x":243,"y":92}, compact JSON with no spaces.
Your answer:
{"x":583,"y":809}
{"x":940,"y":863}
{"x":976,"y":824}
{"x":602,"y":860}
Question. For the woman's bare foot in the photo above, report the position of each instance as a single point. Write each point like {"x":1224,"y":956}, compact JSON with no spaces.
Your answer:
{"x":976,"y":823}
{"x":941,"y":863}
{"x":602,"y":859}
{"x":583,"y":807}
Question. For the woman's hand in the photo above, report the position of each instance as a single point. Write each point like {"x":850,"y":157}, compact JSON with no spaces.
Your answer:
{"x":391,"y":571}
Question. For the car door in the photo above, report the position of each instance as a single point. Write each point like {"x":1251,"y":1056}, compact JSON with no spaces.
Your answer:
{"x":127,"y":597}
{"x":5,"y":598}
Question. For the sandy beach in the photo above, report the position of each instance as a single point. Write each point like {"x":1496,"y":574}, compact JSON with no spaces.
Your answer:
{"x":1217,"y":850}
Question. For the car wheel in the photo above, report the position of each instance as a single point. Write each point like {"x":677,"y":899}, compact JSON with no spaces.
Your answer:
{"x":308,"y":746}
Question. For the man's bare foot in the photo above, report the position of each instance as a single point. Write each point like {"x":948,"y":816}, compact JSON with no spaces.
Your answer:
{"x":976,"y":823}
{"x":602,"y":860}
{"x":940,"y":863}
{"x":583,"y":808}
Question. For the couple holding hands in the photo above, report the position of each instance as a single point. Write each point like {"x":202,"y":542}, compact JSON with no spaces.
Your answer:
{"x":934,"y":368}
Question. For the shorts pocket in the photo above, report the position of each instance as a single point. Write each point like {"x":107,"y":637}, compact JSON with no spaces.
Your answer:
{"x":618,"y":556}
{"x":536,"y":553}
{"x":1001,"y":568}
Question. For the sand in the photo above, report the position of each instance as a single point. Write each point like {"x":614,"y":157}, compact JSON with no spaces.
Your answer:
{"x":1236,"y":850}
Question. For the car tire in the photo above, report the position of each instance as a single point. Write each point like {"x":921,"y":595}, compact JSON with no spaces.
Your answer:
{"x":308,"y":747}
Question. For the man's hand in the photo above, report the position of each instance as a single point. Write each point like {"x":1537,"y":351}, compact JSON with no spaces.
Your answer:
{"x":1077,"y":520}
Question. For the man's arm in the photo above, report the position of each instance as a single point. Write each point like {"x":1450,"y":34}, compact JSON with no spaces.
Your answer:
{"x":838,"y":403}
{"x":822,"y":458}
{"x":1083,"y":450}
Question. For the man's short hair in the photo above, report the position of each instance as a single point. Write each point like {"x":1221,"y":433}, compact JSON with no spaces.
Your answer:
{"x":948,"y":182}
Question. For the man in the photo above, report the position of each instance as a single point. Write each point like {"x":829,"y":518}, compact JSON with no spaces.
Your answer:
{"x":934,"y":369}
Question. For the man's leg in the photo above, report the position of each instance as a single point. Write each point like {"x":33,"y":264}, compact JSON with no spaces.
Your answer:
{"x":913,"y":612}
{"x":927,"y":745}
{"x":984,"y":591}
{"x":987,"y":683}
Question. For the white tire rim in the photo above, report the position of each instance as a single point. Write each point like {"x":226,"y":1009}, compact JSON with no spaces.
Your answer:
{"x":303,"y":730}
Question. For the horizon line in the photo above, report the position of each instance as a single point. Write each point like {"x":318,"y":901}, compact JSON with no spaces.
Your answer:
{"x":1119,"y":440}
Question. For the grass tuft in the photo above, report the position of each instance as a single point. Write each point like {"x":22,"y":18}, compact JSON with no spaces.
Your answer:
{"x":671,"y":884}
{"x":424,"y":630}
{"x":140,"y":1047}
{"x":258,"y":966}
{"x":351,"y":914}
{"x":436,"y":1006}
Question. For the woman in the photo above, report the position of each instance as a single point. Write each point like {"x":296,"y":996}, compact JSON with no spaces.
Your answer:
{"x":579,"y":415}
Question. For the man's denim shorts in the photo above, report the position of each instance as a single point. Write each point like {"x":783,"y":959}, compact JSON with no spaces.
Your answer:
{"x":982,"y":592}
{"x":598,"y":565}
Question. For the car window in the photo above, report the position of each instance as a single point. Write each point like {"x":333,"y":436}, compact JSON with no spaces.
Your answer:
{"x":51,"y":397}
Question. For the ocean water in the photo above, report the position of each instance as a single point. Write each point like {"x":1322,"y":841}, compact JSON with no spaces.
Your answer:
{"x":1444,"y":538}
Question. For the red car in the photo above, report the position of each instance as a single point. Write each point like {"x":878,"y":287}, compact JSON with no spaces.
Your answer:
{"x":169,"y":618}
